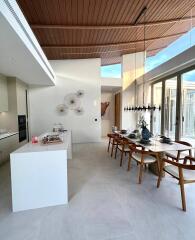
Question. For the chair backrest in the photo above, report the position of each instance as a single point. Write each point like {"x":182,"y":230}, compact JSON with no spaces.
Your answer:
{"x":122,"y":141}
{"x":112,"y":135}
{"x":186,"y":144}
{"x":136,"y":149}
{"x":185,"y":164}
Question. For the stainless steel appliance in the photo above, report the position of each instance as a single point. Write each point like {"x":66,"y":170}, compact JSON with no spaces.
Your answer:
{"x":22,"y":127}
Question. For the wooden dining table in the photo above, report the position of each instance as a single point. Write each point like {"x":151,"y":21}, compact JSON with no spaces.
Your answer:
{"x":158,"y":148}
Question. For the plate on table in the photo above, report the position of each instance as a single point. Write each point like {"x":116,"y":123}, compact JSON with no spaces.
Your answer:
{"x":123,"y":131}
{"x":144,"y":141}
{"x":166,"y":140}
{"x":132,"y":136}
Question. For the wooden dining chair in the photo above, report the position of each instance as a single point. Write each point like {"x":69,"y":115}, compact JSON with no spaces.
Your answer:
{"x":110,"y":140}
{"x":114,"y":142}
{"x":184,"y":172}
{"x":123,"y":147}
{"x":181,"y":154}
{"x":142,"y":157}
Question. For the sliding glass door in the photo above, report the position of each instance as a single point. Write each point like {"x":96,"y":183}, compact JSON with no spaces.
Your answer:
{"x":188,"y":105}
{"x":157,"y":101}
{"x":170,"y":107}
{"x":176,"y":96}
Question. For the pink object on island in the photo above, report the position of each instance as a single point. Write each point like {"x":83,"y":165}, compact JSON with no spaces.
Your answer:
{"x":34,"y":139}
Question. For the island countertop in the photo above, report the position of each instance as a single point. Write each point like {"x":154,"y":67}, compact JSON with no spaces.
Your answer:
{"x":39,"y":147}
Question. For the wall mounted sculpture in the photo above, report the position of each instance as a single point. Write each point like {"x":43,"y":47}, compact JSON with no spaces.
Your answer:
{"x":104,"y":106}
{"x":72,"y":101}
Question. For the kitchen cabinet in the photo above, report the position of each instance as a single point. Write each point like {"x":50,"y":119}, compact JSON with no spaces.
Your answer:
{"x":3,"y":94}
{"x":8,"y":145}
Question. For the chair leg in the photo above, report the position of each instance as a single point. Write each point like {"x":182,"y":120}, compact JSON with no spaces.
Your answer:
{"x":129,"y":163}
{"x":181,"y":182}
{"x":121,"y":162}
{"x":115,"y":151}
{"x":183,"y":196}
{"x":140,"y":173}
{"x":108,"y":146}
{"x":112,"y":150}
{"x":145,"y":166}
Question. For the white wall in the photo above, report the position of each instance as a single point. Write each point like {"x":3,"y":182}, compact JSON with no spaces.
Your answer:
{"x":128,"y":99}
{"x":108,"y":119}
{"x":111,"y":82}
{"x":71,"y":75}
{"x":132,"y":67}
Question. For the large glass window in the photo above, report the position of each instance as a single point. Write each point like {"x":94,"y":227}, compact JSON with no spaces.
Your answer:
{"x":188,"y":105}
{"x":170,"y":107}
{"x":156,"y":115}
{"x":186,"y":115}
{"x":180,"y":45}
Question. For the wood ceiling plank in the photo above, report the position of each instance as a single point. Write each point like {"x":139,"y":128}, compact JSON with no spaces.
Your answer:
{"x":107,"y":12}
{"x":136,"y":9}
{"x":163,"y":30}
{"x":109,"y":34}
{"x":111,"y":44}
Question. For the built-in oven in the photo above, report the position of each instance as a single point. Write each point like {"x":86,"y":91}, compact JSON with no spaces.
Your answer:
{"x":22,"y":127}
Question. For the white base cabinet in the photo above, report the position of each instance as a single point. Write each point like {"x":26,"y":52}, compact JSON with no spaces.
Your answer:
{"x":8,"y":145}
{"x":39,"y":174}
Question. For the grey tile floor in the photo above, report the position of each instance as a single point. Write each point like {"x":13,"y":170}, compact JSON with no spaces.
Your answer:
{"x":106,"y":203}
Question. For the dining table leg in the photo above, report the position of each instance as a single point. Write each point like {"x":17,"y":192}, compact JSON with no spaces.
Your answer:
{"x":155,"y":167}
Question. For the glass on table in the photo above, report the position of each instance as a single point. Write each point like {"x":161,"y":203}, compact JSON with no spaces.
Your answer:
{"x":156,"y":138}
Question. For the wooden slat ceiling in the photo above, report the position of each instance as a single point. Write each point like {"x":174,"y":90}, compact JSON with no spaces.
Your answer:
{"x":71,"y":29}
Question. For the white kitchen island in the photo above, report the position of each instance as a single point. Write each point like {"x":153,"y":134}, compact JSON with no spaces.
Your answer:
{"x":39,"y":174}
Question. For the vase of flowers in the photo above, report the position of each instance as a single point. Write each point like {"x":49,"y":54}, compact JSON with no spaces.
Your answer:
{"x":145,"y":133}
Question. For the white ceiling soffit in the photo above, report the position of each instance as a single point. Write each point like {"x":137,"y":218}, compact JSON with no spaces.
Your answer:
{"x":110,"y":89}
{"x":20,"y":53}
{"x":178,"y":63}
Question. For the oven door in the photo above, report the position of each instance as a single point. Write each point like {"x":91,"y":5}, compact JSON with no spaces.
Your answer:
{"x":22,"y":128}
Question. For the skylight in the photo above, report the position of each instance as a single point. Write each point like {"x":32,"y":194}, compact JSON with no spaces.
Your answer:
{"x":111,"y":71}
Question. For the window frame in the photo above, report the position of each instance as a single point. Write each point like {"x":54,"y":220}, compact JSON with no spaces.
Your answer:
{"x":178,"y":76}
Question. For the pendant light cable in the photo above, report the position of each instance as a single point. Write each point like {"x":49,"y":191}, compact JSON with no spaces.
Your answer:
{"x":144,"y":56}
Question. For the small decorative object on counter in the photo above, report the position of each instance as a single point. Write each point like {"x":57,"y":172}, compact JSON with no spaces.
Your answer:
{"x":34,"y":139}
{"x":58,"y":127}
{"x":51,"y":139}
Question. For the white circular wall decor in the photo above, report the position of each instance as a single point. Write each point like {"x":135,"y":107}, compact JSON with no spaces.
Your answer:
{"x":71,"y":101}
{"x":62,"y":109}
{"x":80,"y":93}
{"x":79,"y":111}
